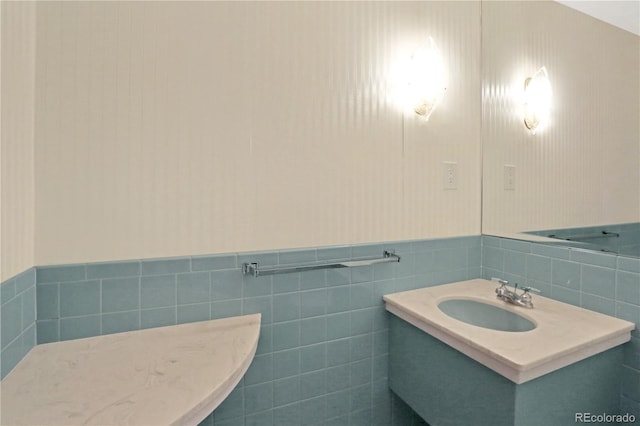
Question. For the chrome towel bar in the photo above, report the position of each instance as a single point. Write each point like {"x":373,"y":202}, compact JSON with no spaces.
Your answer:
{"x":255,"y":270}
{"x":603,"y":234}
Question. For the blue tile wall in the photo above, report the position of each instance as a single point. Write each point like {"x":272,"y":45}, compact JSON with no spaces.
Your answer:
{"x":323,"y":350}
{"x":17,"y":319}
{"x":626,"y":242}
{"x":597,"y":281}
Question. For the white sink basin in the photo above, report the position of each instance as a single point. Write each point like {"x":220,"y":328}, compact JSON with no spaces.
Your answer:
{"x":485,"y":315}
{"x":467,"y":316}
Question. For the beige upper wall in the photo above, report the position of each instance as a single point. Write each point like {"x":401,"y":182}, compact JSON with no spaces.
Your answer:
{"x":584,"y":169}
{"x":17,"y":84}
{"x":180,"y":128}
{"x":176,"y":128}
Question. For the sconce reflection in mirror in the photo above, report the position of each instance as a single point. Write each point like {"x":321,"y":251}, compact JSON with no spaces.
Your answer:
{"x":426,"y":80}
{"x":537,"y":100}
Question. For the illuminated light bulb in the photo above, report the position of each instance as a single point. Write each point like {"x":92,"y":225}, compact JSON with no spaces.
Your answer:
{"x":537,"y":100}
{"x":426,"y":80}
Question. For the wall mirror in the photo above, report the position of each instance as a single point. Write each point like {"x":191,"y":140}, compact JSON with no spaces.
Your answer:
{"x":578,"y":179}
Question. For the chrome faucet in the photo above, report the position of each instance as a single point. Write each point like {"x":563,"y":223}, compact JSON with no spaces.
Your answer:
{"x":523,"y":299}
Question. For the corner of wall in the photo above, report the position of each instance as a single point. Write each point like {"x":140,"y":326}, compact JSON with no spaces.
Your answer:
{"x":18,"y":313}
{"x":17,"y":79}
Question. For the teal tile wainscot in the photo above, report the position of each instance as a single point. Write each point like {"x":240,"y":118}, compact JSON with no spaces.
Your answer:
{"x":598,"y":281}
{"x":323,"y":351}
{"x":18,"y":319}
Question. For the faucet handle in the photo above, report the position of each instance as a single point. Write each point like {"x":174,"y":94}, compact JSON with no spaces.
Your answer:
{"x":500,"y":291}
{"x":525,"y":297}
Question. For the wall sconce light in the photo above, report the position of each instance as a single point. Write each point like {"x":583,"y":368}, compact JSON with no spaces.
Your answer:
{"x":537,"y":100}
{"x":426,"y":80}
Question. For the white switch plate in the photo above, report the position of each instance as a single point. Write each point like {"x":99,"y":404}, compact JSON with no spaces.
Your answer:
{"x":450,"y":175}
{"x":509,"y":177}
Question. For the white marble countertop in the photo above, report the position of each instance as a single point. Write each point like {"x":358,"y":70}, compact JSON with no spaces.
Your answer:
{"x":160,"y":376}
{"x":564,"y":334}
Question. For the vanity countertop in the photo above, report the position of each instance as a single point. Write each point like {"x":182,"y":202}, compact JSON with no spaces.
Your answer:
{"x":564,"y":333}
{"x":160,"y":376}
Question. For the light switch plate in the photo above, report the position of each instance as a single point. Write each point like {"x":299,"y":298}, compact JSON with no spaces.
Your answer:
{"x":509,"y":177}
{"x":450,"y":175}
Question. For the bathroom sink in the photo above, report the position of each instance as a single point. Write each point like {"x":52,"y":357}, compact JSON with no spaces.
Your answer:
{"x":445,"y":339}
{"x":485,"y":315}
{"x":467,"y":317}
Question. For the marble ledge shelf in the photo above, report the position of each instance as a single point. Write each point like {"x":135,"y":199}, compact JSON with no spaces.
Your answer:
{"x":167,"y":375}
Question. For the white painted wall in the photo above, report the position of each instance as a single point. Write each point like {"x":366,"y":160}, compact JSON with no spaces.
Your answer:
{"x":623,"y":14}
{"x":17,"y":104}
{"x":166,"y":128}
{"x":175,"y":128}
{"x":584,"y":169}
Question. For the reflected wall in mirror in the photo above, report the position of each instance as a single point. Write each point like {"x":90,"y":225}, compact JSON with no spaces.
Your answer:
{"x":583,"y":170}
